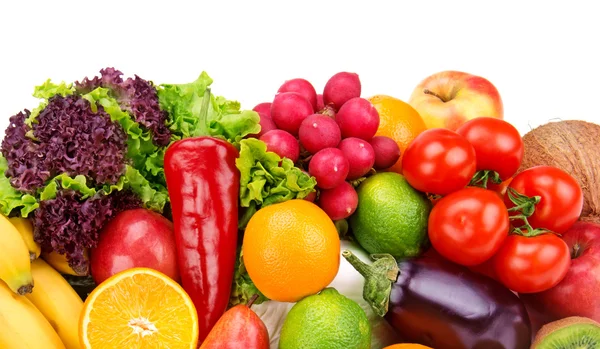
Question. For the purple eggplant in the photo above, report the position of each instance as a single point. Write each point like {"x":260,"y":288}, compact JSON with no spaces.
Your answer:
{"x":443,"y":305}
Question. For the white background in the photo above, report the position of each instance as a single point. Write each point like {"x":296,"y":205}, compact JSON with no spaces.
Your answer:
{"x":542,"y":56}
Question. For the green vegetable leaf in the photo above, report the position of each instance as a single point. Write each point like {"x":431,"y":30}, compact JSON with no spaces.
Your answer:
{"x":242,"y":288}
{"x":12,"y":199}
{"x":153,"y":197}
{"x":44,"y":92}
{"x":266,"y":179}
{"x":139,"y":140}
{"x":224,"y":119}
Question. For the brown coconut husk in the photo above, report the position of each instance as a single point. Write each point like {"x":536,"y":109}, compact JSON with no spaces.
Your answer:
{"x":573,"y":146}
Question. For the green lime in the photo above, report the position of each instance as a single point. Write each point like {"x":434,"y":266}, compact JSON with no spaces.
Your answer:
{"x":327,"y":320}
{"x":391,"y":216}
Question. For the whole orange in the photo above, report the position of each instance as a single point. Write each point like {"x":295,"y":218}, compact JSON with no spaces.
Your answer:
{"x":291,"y":250}
{"x":407,"y":346}
{"x":399,"y":121}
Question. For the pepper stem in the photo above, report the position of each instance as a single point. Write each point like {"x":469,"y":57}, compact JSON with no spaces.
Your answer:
{"x":379,"y":278}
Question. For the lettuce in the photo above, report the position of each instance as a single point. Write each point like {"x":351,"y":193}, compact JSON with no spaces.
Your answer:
{"x":11,"y":199}
{"x":267,"y":179}
{"x":224,"y":119}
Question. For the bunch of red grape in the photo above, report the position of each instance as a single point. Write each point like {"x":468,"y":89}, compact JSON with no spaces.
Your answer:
{"x":331,"y":135}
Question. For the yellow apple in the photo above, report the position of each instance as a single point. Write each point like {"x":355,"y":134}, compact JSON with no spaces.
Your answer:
{"x":450,"y":98}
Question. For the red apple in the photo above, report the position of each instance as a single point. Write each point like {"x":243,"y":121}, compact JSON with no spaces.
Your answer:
{"x":450,"y":98}
{"x":578,"y":294}
{"x":135,"y":238}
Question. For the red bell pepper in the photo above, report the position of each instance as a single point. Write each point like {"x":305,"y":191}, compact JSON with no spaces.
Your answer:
{"x":203,"y":184}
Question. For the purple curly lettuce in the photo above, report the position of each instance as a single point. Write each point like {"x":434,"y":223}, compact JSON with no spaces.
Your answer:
{"x":69,"y":225}
{"x":78,"y":141}
{"x":67,"y":138}
{"x":27,"y":168}
{"x":136,"y":96}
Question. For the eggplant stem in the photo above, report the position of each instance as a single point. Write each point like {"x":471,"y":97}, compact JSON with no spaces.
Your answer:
{"x":379,"y":278}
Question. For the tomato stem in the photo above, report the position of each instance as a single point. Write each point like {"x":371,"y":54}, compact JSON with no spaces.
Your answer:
{"x":481,"y":178}
{"x":524,"y":207}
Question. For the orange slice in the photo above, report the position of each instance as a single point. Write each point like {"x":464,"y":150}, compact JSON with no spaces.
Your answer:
{"x":139,"y":308}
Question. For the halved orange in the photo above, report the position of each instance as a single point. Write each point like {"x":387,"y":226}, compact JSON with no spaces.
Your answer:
{"x":139,"y":308}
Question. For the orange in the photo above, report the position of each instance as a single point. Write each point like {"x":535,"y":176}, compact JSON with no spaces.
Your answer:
{"x":399,"y":121}
{"x":407,"y":346}
{"x":291,"y":250}
{"x":138,"y":308}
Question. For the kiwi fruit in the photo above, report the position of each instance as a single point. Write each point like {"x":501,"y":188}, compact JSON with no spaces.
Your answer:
{"x":569,"y":333}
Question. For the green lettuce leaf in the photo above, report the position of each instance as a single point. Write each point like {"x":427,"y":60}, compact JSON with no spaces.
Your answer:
{"x":243,"y":288}
{"x":266,"y":179}
{"x":44,"y":92}
{"x":152,"y":198}
{"x":139,"y":140}
{"x":12,"y":199}
{"x":224,"y":119}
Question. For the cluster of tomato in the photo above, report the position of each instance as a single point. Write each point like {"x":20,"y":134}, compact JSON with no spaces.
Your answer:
{"x":488,"y":217}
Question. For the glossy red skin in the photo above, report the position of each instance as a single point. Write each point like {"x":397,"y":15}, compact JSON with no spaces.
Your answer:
{"x":333,"y":158}
{"x":266,"y":125}
{"x":203,"y":184}
{"x":239,"y":327}
{"x":339,"y":202}
{"x":561,"y":197}
{"x":302,"y":87}
{"x":135,"y":238}
{"x":498,"y":145}
{"x":577,"y":293}
{"x":264,"y":108}
{"x":468,"y":226}
{"x":439,"y":161}
{"x":386,"y":151}
{"x":320,"y":103}
{"x":282,"y":143}
{"x":360,"y":155}
{"x":532,"y":264}
{"x":289,"y":109}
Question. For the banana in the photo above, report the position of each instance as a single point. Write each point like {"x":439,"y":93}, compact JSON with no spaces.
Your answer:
{"x":15,"y":266}
{"x":22,"y":325}
{"x":25,"y":228}
{"x":57,"y":301}
{"x":61,"y":264}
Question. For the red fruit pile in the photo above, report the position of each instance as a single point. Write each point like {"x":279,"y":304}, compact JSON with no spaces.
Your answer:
{"x":329,"y":135}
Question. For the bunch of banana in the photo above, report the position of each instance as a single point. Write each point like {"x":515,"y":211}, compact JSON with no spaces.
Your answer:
{"x":61,"y":263}
{"x":48,"y":315}
{"x":25,"y":228}
{"x":15,"y":262}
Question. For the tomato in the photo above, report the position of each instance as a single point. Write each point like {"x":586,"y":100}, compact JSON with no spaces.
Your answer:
{"x":468,"y":226}
{"x":500,"y":189}
{"x":439,"y":161}
{"x":498,"y":145}
{"x":532,"y":264}
{"x":561,"y":197}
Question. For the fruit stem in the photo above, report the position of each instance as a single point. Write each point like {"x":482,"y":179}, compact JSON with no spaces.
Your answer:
{"x":481,"y":178}
{"x":25,"y":289}
{"x":379,"y":278}
{"x":252,"y":300}
{"x":577,"y":251}
{"x":429,"y":92}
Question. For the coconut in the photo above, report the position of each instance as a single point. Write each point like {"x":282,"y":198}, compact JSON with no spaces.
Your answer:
{"x":573,"y":146}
